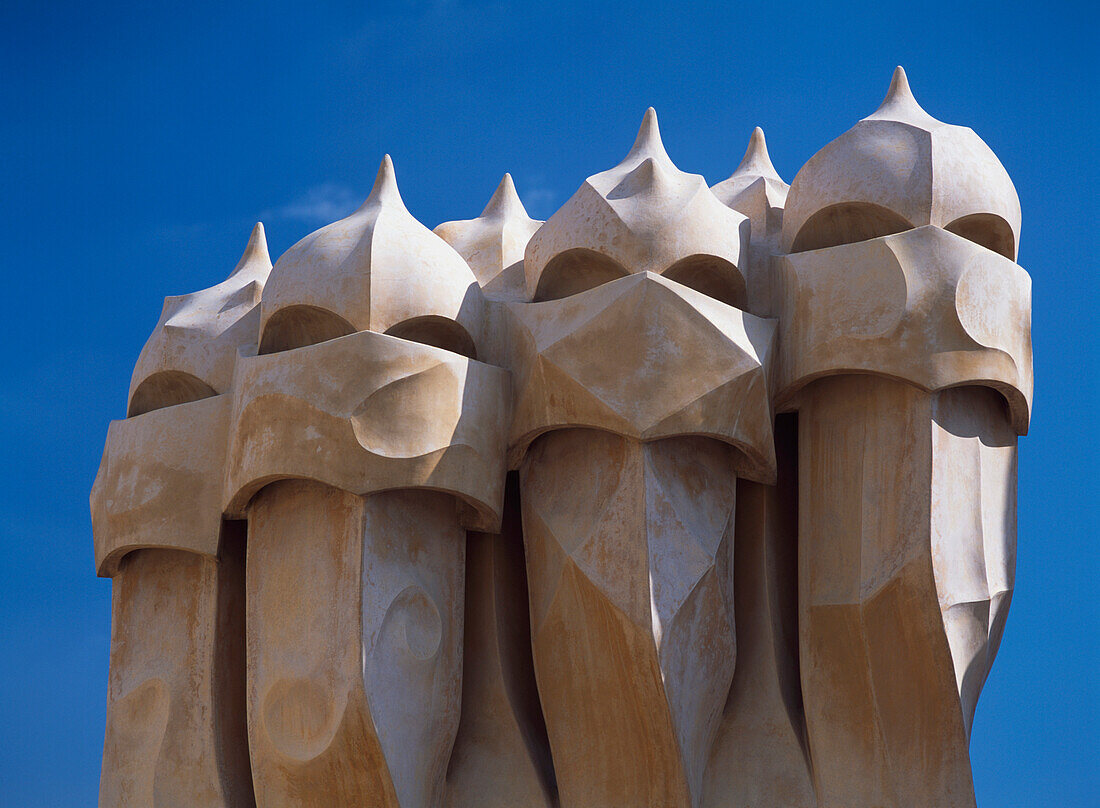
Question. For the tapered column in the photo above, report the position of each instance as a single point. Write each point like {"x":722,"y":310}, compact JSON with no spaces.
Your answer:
{"x":973,"y":530}
{"x":501,"y":755}
{"x":175,"y":732}
{"x":360,"y":462}
{"x":175,"y":707}
{"x":905,"y":560}
{"x":354,"y":643}
{"x":759,"y":756}
{"x":629,"y":558}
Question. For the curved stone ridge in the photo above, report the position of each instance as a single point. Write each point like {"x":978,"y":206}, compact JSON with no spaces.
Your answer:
{"x":693,"y":497}
{"x":191,"y":353}
{"x":925,"y":305}
{"x":643,"y":215}
{"x":493,"y":243}
{"x":379,"y":269}
{"x":899,"y":168}
{"x":755,"y":187}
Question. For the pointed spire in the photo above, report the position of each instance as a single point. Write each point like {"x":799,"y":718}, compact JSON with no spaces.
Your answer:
{"x":899,"y":83}
{"x":757,"y":162}
{"x":255,"y":252}
{"x":384,"y":190}
{"x":505,"y":201}
{"x":900,"y":104}
{"x":899,"y":92}
{"x":754,"y":166}
{"x":648,"y":142}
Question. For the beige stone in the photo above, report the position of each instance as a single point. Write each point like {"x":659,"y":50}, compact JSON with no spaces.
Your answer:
{"x":687,"y":497}
{"x":760,"y":755}
{"x":629,"y":529}
{"x":175,"y":699}
{"x":493,"y":244}
{"x":159,"y":483}
{"x":393,"y":448}
{"x":192,"y":351}
{"x":906,"y":349}
{"x":501,"y":737}
{"x":644,"y":215}
{"x":756,"y":190}
{"x":900,"y":168}
{"x":354,"y":645}
{"x":379,"y":269}
{"x":629,"y":561}
{"x":925,"y":305}
{"x":594,"y":359}
{"x":906,"y":568}
{"x":175,"y":705}
{"x":369,"y":412}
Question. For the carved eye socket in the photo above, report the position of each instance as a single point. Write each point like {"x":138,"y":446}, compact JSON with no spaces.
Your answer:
{"x":299,"y":326}
{"x":987,"y":230}
{"x":712,"y":276}
{"x":167,"y":389}
{"x":439,"y":332}
{"x":575,"y":271}
{"x":579,"y":270}
{"x":847,"y":223}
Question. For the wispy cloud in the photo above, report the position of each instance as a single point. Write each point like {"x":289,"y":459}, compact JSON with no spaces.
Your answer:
{"x":433,"y":30}
{"x":540,"y":201}
{"x":321,"y":204}
{"x":180,"y":232}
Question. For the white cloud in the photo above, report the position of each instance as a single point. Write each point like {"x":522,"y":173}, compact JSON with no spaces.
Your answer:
{"x":539,"y":201}
{"x":432,"y":30}
{"x":321,"y":204}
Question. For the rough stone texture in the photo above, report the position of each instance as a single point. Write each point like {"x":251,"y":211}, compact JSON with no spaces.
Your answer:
{"x":688,"y":496}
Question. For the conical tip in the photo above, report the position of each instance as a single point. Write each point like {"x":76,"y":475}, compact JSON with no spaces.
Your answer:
{"x":899,"y":86}
{"x":757,"y":162}
{"x":900,"y":104}
{"x":255,"y":250}
{"x":257,"y":239}
{"x":648,"y":140}
{"x":646,"y":176}
{"x":505,"y":200}
{"x":385,"y":184}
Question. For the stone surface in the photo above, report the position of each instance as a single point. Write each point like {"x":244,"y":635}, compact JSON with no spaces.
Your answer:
{"x":643,"y":215}
{"x":629,"y":550}
{"x":502,"y":735}
{"x":899,"y":168}
{"x":354,"y":644}
{"x":175,"y":699}
{"x":759,"y":756}
{"x":688,"y":496}
{"x":905,"y":566}
{"x":493,"y":243}
{"x":192,"y":352}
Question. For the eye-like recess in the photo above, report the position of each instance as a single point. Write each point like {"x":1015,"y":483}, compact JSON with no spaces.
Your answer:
{"x":167,"y":389}
{"x":299,"y":326}
{"x":576,"y":270}
{"x":713,"y":276}
{"x":439,"y":332}
{"x":847,"y":223}
{"x":988,"y":230}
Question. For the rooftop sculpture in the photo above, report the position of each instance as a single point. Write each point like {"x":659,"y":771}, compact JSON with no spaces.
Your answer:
{"x":687,"y":496}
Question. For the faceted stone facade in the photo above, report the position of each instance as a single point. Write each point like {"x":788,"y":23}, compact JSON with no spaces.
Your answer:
{"x":688,"y":496}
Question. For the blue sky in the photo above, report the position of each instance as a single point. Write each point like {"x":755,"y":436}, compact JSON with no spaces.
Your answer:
{"x":140,"y":141}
